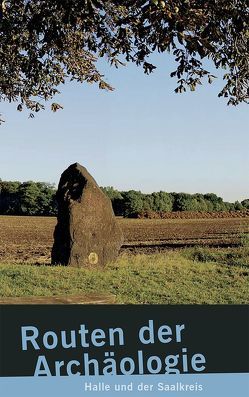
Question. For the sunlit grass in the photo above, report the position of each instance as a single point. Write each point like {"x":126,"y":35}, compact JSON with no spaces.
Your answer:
{"x":183,"y":277}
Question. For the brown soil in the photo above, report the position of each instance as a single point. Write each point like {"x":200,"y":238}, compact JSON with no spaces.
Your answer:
{"x":30,"y":239}
{"x":194,"y":215}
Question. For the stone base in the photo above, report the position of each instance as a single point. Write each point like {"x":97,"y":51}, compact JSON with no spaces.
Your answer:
{"x":87,"y":299}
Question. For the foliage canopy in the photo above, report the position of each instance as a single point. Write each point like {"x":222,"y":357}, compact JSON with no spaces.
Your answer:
{"x":44,"y":43}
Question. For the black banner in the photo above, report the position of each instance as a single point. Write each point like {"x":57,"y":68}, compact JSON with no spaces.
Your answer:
{"x":139,"y":339}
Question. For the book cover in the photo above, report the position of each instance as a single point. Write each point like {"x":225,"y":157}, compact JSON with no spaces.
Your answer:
{"x":124,"y":210}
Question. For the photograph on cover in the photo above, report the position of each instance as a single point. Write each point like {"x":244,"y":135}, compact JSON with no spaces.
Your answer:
{"x":146,"y":172}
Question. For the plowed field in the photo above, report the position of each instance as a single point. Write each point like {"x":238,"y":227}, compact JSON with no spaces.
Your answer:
{"x":29,"y":239}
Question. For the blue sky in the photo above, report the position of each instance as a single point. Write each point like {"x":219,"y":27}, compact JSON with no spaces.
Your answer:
{"x":141,"y":136}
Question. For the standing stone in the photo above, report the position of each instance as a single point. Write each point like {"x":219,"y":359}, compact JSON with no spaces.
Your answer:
{"x":86,"y":232}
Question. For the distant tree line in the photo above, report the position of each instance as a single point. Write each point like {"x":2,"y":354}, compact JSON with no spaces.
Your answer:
{"x":27,"y":198}
{"x":39,"y":198}
{"x":131,"y":203}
